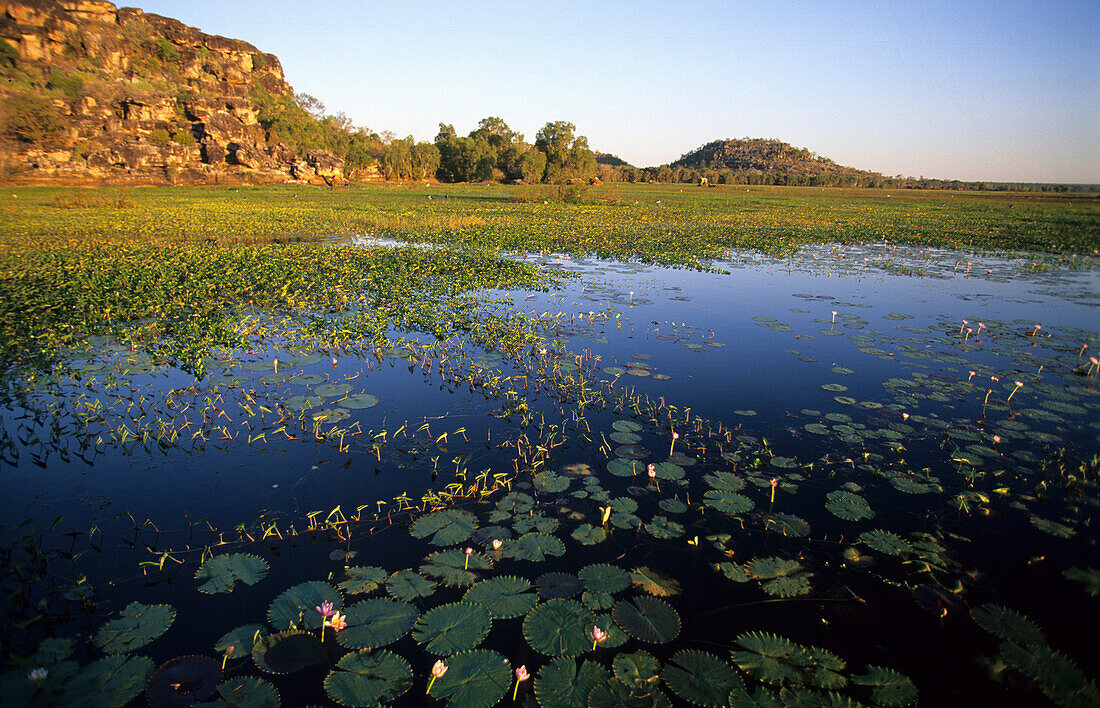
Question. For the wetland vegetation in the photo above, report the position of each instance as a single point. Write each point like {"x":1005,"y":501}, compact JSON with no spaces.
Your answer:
{"x":562,"y":445}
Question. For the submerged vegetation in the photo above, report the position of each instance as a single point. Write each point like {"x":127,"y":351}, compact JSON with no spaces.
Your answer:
{"x":441,"y":469}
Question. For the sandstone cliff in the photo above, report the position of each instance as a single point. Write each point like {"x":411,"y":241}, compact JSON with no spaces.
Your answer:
{"x":91,"y":93}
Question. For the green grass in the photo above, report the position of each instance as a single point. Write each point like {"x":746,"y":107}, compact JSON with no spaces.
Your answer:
{"x":182,"y":264}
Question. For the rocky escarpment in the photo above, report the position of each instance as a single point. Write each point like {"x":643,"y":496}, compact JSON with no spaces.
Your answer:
{"x":94,"y":93}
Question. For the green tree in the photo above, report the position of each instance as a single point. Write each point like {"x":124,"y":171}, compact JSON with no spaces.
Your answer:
{"x":567,"y":156}
{"x":532,"y":165}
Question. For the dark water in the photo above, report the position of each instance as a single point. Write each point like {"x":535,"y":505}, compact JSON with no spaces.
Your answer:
{"x":735,"y":362}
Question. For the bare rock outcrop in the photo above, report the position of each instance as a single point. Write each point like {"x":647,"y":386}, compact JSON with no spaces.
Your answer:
{"x":101,"y":94}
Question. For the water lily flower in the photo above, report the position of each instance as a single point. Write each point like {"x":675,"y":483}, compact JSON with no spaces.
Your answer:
{"x":598,"y":635}
{"x":774,"y":483}
{"x":1019,"y":385}
{"x":228,"y":653}
{"x":996,"y":439}
{"x":37,"y":676}
{"x":325,"y":609}
{"x":834,"y":315}
{"x":964,"y":324}
{"x":972,"y":373}
{"x":338,"y":622}
{"x":1037,"y":328}
{"x":497,"y":543}
{"x":438,"y":669}
{"x":905,"y":416}
{"x":675,"y":437}
{"x":469,"y":552}
{"x":521,"y":676}
{"x":651,"y":470}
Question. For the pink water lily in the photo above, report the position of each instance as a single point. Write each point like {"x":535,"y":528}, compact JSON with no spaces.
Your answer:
{"x":438,"y":669}
{"x":598,"y":635}
{"x":521,"y":676}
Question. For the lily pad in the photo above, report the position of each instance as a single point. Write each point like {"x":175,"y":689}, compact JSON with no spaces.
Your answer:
{"x":242,"y":639}
{"x":559,"y":628}
{"x":184,"y":679}
{"x":558,"y":586}
{"x":136,"y":626}
{"x":358,"y":401}
{"x":408,"y":585}
{"x":638,"y":671}
{"x":589,"y":535}
{"x":888,"y":687}
{"x":446,"y":527}
{"x":887,"y":542}
{"x":221,"y":573}
{"x":474,"y":679}
{"x":296,"y":607}
{"x":332,"y":390}
{"x":451,"y":628}
{"x":368,"y":678}
{"x":287,"y":652}
{"x":363,"y":580}
{"x":375,"y":623}
{"x":564,"y":684}
{"x":534,"y":547}
{"x":1007,"y":624}
{"x":771,"y":659}
{"x":848,"y":506}
{"x":505,"y":597}
{"x":654,"y":582}
{"x":247,"y":692}
{"x":647,"y":619}
{"x":112,"y":681}
{"x":455,"y":568}
{"x":604,"y":578}
{"x":701,"y":678}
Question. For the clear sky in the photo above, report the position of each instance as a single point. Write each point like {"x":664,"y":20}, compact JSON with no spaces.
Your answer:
{"x":1006,"y":91}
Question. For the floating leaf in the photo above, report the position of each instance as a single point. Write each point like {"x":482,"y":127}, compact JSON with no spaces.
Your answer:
{"x":1007,"y":624}
{"x":446,"y":527}
{"x":455,"y":568}
{"x":296,"y":607}
{"x":376,"y":623}
{"x":332,"y":390}
{"x":367,"y":678}
{"x":1052,"y":527}
{"x":505,"y":596}
{"x":558,"y":586}
{"x":889,"y":688}
{"x":185,"y":679}
{"x":613,"y":694}
{"x":550,"y":482}
{"x":535,"y":522}
{"x":221,"y":573}
{"x":534,"y":547}
{"x":589,"y":535}
{"x":136,"y":626}
{"x":887,"y":542}
{"x":647,"y":619}
{"x":626,"y":426}
{"x":111,"y":682}
{"x":848,"y":506}
{"x":788,"y":525}
{"x":287,"y":652}
{"x":1057,"y":677}
{"x":597,"y":600}
{"x":771,"y":659}
{"x":701,"y":678}
{"x":661,"y":527}
{"x":559,"y":628}
{"x":621,"y":467}
{"x":727,"y":502}
{"x":409,"y":585}
{"x":241,"y":639}
{"x":604,"y":578}
{"x":638,"y":670}
{"x":1089,"y":576}
{"x":564,"y":684}
{"x":654,"y":582}
{"x":247,"y":692}
{"x":474,"y":679}
{"x":453,"y":627}
{"x":363,"y":580}
{"x":725,"y":481}
{"x":358,"y":401}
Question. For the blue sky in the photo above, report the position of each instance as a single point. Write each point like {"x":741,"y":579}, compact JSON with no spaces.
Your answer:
{"x":958,"y":90}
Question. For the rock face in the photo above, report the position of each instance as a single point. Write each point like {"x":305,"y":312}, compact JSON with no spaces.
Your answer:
{"x":92,"y":93}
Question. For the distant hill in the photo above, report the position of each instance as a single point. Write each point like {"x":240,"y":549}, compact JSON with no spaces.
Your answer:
{"x":604,"y":158}
{"x":763,"y":156}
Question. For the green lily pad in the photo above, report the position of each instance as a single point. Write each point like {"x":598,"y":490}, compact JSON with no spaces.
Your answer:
{"x":534,"y":522}
{"x":727,"y":502}
{"x":638,"y":671}
{"x":300,"y":404}
{"x":621,"y":467}
{"x":221,"y":573}
{"x":446,"y":527}
{"x":848,"y":506}
{"x":474,"y":679}
{"x":111,"y":681}
{"x":647,"y":619}
{"x":888,"y":687}
{"x":247,"y":692}
{"x":136,"y":626}
{"x":661,"y":527}
{"x":625,"y":438}
{"x":589,"y":535}
{"x":725,"y":481}
{"x":358,"y":401}
{"x":564,"y":684}
{"x":408,"y":585}
{"x":453,"y":627}
{"x":367,"y":678}
{"x":559,"y":628}
{"x":455,"y":568}
{"x":626,"y":426}
{"x":287,"y":652}
{"x":614,"y":694}
{"x":242,"y":639}
{"x":701,"y":678}
{"x":533,"y":547}
{"x":505,"y":597}
{"x":363,"y":580}
{"x":597,"y":601}
{"x":332,"y":390}
{"x":1090,"y":577}
{"x":771,"y":659}
{"x":1007,"y":624}
{"x":375,"y":623}
{"x":887,"y":542}
{"x":550,"y":482}
{"x":296,"y":607}
{"x":604,"y":578}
